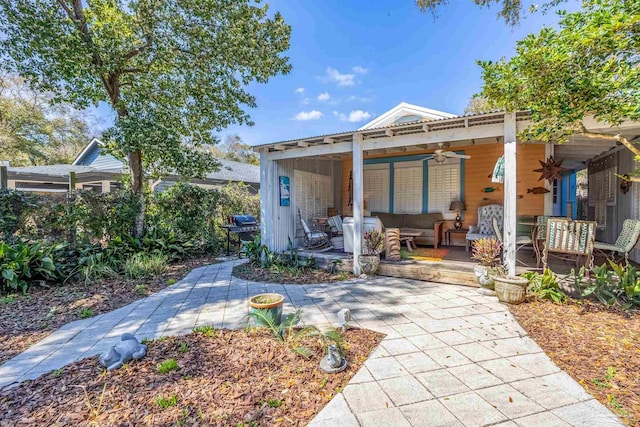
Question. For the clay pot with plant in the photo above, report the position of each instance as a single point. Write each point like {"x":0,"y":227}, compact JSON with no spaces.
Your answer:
{"x":370,"y":259}
{"x":266,"y":306}
{"x":487,"y":252}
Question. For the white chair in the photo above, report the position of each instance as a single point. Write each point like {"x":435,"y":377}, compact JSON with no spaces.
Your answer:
{"x":314,"y":239}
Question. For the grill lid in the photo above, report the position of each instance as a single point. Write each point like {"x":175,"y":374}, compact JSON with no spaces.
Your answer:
{"x":243,"y":220}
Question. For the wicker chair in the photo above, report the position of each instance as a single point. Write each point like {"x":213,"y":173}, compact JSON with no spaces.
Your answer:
{"x":569,"y":239}
{"x":521,"y":241}
{"x":625,"y":242}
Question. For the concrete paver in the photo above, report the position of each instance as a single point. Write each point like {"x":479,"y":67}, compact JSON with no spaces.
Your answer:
{"x":451,"y":356}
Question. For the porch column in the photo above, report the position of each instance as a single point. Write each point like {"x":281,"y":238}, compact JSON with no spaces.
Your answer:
{"x":510,"y":196}
{"x":548,"y":197}
{"x":268,"y":189}
{"x":358,"y":201}
{"x":106,"y":186}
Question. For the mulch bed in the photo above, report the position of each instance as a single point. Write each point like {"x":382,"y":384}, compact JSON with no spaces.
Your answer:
{"x":265,"y":275}
{"x":599,"y":348}
{"x":233,"y":378}
{"x":26,"y":319}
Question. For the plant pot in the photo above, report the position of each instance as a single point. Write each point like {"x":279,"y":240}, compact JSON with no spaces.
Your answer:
{"x":369,"y":263}
{"x":271,"y":303}
{"x":484,"y":275}
{"x":511,"y":289}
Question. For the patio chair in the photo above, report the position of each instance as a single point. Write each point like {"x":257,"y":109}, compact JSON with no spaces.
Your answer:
{"x":521,"y":241}
{"x":484,"y":229}
{"x":568,"y":239}
{"x":314,"y":239}
{"x":625,"y":242}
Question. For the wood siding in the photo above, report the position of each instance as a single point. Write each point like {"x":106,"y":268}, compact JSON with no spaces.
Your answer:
{"x":477,"y":176}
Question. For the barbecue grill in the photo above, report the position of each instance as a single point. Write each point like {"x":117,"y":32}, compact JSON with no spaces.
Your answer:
{"x":245,"y":226}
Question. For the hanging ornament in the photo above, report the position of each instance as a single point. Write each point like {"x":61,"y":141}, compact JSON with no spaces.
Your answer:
{"x":550,"y":170}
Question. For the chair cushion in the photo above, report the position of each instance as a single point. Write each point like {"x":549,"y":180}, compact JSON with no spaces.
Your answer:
{"x":423,"y":220}
{"x":478,"y":236}
{"x":390,"y":220}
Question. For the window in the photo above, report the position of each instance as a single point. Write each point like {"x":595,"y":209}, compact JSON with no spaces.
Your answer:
{"x":444,"y":186}
{"x":313,"y":194}
{"x":376,"y":187}
{"x":407,"y":191}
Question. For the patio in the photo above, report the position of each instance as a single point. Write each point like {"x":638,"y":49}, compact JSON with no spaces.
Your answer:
{"x":451,"y":356}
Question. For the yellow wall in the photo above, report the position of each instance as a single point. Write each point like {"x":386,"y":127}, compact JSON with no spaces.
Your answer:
{"x":477,"y":176}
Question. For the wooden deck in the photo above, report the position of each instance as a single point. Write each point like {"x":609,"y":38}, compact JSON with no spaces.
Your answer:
{"x":455,"y":268}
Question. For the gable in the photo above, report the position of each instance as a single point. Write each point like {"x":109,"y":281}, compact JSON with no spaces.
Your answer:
{"x":405,"y":113}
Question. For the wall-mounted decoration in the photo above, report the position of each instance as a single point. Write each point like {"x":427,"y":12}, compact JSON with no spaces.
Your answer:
{"x":550,"y":170}
{"x":537,"y":190}
{"x":625,"y":184}
{"x":285,"y":191}
{"x":498,"y":171}
{"x":489,"y":189}
{"x":351,"y":188}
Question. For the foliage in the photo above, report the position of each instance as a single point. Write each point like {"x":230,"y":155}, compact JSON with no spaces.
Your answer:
{"x":619,"y":285}
{"x":486,"y":251}
{"x":478,"y":105}
{"x":589,"y":66}
{"x":174,"y":72}
{"x":373,"y":242}
{"x":545,"y":286}
{"x":85,"y":313}
{"x":22,"y":263}
{"x":167,"y":366}
{"x":234,"y":149}
{"x":165,"y":402}
{"x":291,"y":335}
{"x":254,"y":250}
{"x":143,"y":265}
{"x":32,"y":132}
{"x":208,"y":330}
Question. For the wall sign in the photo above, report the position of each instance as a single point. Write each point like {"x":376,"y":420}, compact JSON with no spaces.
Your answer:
{"x":285,"y":191}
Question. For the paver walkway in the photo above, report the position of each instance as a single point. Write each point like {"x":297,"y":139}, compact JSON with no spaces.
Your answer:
{"x":451,"y":356}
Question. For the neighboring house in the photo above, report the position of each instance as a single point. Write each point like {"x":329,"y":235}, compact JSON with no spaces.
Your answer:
{"x":388,"y":166}
{"x":95,"y":169}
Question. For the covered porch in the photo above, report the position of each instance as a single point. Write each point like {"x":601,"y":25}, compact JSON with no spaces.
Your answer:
{"x":391,"y":170}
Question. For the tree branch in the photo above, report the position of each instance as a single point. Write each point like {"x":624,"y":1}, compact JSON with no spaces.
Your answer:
{"x":137,"y":51}
{"x":597,"y":135}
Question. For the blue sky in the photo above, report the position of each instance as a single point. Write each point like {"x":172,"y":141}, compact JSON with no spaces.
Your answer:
{"x":354,"y":59}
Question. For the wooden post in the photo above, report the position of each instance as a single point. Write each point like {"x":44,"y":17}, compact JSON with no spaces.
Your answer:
{"x":72,"y":182}
{"x":510,"y":196}
{"x":4,"y":178}
{"x":106,"y":186}
{"x":548,"y":197}
{"x":268,"y":193}
{"x":358,"y":200}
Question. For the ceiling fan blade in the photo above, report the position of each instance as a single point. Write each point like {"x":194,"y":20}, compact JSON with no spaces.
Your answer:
{"x":455,"y":155}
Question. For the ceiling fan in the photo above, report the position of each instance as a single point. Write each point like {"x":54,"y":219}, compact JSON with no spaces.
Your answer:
{"x":440,"y":156}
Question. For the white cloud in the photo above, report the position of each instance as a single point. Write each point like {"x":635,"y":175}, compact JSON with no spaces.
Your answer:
{"x":355,"y":98}
{"x":305,"y":101}
{"x":308,"y":115}
{"x":324,"y":96}
{"x":353,"y":117}
{"x":360,"y":70}
{"x":300,"y":90}
{"x":334,"y":75}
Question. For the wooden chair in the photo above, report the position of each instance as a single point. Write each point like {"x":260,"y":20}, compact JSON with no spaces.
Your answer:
{"x":314,"y":239}
{"x":625,"y":242}
{"x":569,"y":239}
{"x":335,"y":222}
{"x":521,"y":241}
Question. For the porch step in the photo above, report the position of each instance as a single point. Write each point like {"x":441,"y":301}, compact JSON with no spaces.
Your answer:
{"x":456,"y":273}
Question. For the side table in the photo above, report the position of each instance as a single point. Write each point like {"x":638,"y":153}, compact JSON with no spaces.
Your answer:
{"x":456,"y":231}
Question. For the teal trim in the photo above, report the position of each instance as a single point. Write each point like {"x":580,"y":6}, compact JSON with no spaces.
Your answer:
{"x":392,"y":179}
{"x":396,"y":159}
{"x":425,"y":187}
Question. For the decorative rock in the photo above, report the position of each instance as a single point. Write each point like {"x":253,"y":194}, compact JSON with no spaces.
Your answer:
{"x":127,"y":349}
{"x":333,"y":363}
{"x":344,"y":317}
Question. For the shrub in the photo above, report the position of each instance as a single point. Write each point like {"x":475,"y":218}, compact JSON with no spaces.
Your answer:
{"x":23,"y":262}
{"x":618,"y":286}
{"x":143,"y":265}
{"x":486,"y":251}
{"x":545,"y":286}
{"x":373,"y":242}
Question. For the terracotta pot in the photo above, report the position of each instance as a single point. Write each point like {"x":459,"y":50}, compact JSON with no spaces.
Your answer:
{"x":369,"y":263}
{"x":484,"y":275}
{"x":511,"y":289}
{"x":271,"y":303}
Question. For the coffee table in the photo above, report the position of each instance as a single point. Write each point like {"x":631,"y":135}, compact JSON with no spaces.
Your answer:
{"x":407,"y":237}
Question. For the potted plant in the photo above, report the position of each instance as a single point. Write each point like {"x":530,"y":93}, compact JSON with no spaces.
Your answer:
{"x":510,"y":289}
{"x":268,"y":304}
{"x":487,"y":251}
{"x":370,"y":259}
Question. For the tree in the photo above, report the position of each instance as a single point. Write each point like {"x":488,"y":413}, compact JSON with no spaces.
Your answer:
{"x":588,"y":67}
{"x":31,"y":132}
{"x":174,"y":71}
{"x":234,"y":149}
{"x":478,"y":105}
{"x":511,"y":10}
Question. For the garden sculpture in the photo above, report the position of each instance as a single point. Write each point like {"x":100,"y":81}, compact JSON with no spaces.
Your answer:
{"x":344,"y":317}
{"x":333,"y":362}
{"x":127,"y":349}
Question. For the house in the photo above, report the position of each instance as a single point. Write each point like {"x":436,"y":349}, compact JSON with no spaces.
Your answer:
{"x":95,"y":169}
{"x":387,"y":166}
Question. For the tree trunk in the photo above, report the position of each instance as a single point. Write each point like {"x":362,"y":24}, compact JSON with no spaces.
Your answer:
{"x":137,"y":177}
